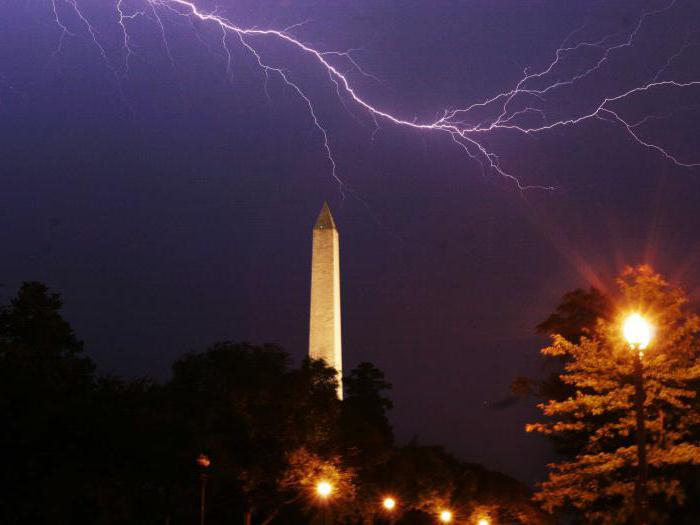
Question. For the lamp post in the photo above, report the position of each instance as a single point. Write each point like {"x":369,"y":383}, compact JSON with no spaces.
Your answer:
{"x":637,"y":332}
{"x":389,"y":505}
{"x":324,"y":490}
{"x":203,"y":461}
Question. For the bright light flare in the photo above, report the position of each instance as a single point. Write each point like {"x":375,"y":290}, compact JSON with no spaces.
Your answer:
{"x":389,"y":503}
{"x":483,"y":521}
{"x":324,"y":489}
{"x":637,"y":331}
{"x":446,"y":516}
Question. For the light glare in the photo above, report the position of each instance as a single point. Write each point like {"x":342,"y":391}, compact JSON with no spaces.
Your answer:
{"x":324,"y":489}
{"x":637,"y":331}
{"x":389,"y":503}
{"x":446,"y":516}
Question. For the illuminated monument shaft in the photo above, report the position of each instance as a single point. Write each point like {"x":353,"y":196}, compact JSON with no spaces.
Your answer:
{"x":324,"y":318}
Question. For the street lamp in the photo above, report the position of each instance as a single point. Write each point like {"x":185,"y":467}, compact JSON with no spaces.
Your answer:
{"x":446,"y":516}
{"x":389,"y":504}
{"x":203,"y":461}
{"x":324,"y":489}
{"x":483,"y":521}
{"x":637,"y":333}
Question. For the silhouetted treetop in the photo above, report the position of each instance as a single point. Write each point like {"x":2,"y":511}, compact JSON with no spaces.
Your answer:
{"x":576,"y":315}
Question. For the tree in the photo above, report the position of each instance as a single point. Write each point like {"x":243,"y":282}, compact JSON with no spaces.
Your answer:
{"x":46,"y":387}
{"x":137,"y":464}
{"x":577,"y":314}
{"x":598,"y":482}
{"x":249,"y":410}
{"x":86,"y":449}
{"x":427,"y":479}
{"x":575,"y":317}
{"x":36,"y":340}
{"x":366,"y":434}
{"x":365,"y":422}
{"x":305,"y":470}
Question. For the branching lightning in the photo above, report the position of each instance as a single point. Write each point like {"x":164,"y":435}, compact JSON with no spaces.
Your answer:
{"x":511,"y":111}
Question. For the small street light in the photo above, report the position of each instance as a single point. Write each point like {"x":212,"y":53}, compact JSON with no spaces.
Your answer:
{"x":637,"y":332}
{"x":483,"y":521}
{"x":204,"y":462}
{"x":446,"y":516}
{"x":389,"y":505}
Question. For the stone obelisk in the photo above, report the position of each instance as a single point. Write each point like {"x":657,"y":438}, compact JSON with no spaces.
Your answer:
{"x":324,"y":319}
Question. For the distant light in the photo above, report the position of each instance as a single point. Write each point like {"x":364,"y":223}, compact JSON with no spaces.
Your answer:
{"x":203,"y":461}
{"x":324,"y":489}
{"x":637,"y":331}
{"x":446,"y":516}
{"x":484,"y":521}
{"x":389,"y":503}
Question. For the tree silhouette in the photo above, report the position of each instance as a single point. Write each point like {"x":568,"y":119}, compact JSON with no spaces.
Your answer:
{"x":99,"y":450}
{"x":46,"y":386}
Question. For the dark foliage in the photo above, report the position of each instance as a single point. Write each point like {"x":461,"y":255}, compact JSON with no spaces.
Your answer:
{"x":84,"y":449}
{"x":574,"y":317}
{"x":577,"y":314}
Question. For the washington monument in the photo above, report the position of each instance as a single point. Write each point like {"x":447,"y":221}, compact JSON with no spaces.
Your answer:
{"x":324,"y":318}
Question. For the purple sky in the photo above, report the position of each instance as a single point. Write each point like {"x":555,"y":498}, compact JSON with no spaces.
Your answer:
{"x":172,"y":204}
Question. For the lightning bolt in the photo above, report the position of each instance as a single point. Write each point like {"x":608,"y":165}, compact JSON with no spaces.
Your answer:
{"x":469,"y":127}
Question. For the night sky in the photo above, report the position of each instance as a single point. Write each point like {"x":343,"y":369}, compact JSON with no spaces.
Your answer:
{"x":172,"y":204}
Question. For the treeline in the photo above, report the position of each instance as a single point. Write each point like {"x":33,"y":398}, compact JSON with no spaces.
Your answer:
{"x":83,"y":448}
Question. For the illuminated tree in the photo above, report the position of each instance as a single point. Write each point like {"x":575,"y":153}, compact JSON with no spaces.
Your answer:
{"x":599,"y":481}
{"x":318,"y":481}
{"x":248,"y":409}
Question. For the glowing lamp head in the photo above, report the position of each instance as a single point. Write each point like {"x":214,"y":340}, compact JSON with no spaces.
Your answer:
{"x":389,"y":503}
{"x":637,"y":331}
{"x":203,"y":461}
{"x":324,"y":489}
{"x":446,"y":516}
{"x":483,"y":521}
